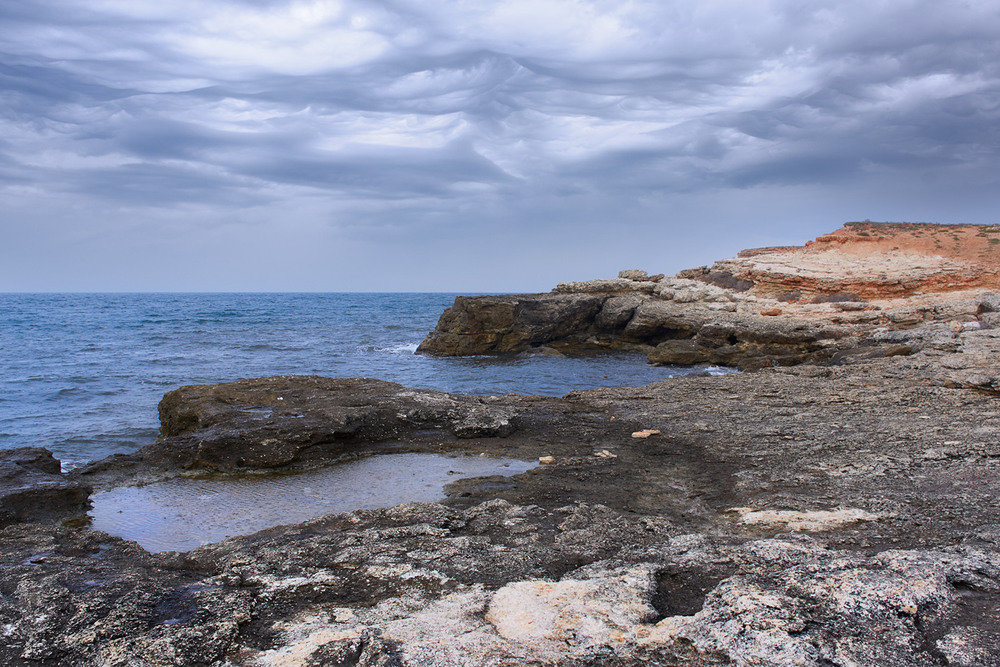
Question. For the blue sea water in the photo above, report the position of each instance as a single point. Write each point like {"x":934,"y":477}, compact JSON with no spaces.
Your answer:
{"x":81,"y":374}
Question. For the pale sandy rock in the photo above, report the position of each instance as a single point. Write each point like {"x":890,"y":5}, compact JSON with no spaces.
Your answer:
{"x":606,"y":285}
{"x":645,"y":433}
{"x":875,"y":261}
{"x":970,"y":646}
{"x":790,"y":602}
{"x":874,"y":609}
{"x":722,"y":306}
{"x":685,"y":290}
{"x":814,"y":520}
{"x":574,"y":612}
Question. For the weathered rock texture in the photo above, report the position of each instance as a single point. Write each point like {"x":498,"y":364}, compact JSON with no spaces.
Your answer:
{"x":875,"y":261}
{"x":819,"y":303}
{"x":33,"y":488}
{"x":837,"y":514}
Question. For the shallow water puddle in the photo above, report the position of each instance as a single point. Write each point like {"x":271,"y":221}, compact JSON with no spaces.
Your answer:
{"x":181,"y":514}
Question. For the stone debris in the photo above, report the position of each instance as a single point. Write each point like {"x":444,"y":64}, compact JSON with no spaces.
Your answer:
{"x":645,"y":433}
{"x":545,"y":460}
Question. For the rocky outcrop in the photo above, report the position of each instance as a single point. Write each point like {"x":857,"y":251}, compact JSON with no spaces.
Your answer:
{"x":768,"y":307}
{"x":475,"y":325}
{"x":839,"y":509}
{"x":805,"y":514}
{"x":33,"y":488}
{"x":876,"y":261}
{"x":266,"y":423}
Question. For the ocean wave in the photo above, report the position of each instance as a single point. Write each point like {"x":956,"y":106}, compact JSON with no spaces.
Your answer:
{"x":402,"y":348}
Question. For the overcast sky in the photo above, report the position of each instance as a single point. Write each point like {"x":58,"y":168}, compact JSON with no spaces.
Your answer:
{"x":408,"y":145}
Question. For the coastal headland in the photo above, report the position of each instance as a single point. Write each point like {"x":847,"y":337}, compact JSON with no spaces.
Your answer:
{"x":834,"y":504}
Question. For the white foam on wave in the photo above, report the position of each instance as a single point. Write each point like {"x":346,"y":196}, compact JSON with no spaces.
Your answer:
{"x":721,"y":370}
{"x":402,"y":348}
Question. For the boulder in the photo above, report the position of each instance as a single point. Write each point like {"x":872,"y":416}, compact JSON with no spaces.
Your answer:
{"x":510,"y":323}
{"x":274,"y":422}
{"x":33,"y":488}
{"x":484,"y":422}
{"x":617,"y":311}
{"x":611,"y":285}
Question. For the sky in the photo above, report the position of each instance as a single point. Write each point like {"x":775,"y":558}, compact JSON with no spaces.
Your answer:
{"x":457,"y":145}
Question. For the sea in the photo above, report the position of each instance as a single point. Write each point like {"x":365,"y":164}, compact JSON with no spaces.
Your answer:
{"x":81,"y":374}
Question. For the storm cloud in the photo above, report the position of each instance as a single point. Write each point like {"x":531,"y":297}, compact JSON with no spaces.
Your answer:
{"x":397,"y":145}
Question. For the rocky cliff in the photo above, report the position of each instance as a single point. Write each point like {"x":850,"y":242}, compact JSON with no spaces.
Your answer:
{"x":818,"y":303}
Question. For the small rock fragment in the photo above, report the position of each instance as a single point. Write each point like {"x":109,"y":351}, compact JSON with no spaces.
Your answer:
{"x":605,"y":454}
{"x":545,"y":460}
{"x":645,"y":433}
{"x":771,"y":312}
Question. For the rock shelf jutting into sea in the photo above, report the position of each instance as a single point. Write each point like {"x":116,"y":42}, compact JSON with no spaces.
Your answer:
{"x":84,"y":372}
{"x":834,"y":504}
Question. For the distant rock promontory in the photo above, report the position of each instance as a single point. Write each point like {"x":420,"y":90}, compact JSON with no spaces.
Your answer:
{"x":836,"y":297}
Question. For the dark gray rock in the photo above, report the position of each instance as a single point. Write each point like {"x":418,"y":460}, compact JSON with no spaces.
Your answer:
{"x":617,"y":311}
{"x":789,"y":514}
{"x":497,"y":324}
{"x":33,"y":489}
{"x":690,"y":327}
{"x":276,"y":422}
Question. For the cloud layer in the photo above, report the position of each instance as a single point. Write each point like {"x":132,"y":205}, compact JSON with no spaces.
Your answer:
{"x":262,"y":144}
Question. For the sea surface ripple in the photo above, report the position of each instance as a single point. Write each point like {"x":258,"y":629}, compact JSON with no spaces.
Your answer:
{"x":81,"y":374}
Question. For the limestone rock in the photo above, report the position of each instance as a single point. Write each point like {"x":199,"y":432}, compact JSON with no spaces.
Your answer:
{"x":587,"y":612}
{"x":633,"y":274}
{"x":807,"y":520}
{"x":856,"y":279}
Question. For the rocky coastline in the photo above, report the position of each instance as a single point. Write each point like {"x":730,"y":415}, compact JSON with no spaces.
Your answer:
{"x":836,"y":297}
{"x":834,"y":504}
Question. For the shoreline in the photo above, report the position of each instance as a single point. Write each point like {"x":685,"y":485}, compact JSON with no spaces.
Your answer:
{"x":836,"y":503}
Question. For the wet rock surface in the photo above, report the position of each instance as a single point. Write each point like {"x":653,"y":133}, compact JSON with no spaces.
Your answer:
{"x":33,"y":488}
{"x":273,"y":423}
{"x":840,"y":514}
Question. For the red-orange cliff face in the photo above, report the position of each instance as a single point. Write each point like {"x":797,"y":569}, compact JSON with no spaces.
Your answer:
{"x":874,"y":261}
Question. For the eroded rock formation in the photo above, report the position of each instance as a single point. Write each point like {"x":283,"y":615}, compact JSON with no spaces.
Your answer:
{"x":813,"y":514}
{"x":33,"y":488}
{"x":818,"y":303}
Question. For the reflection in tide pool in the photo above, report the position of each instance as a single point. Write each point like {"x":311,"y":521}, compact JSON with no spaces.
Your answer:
{"x":181,"y":514}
